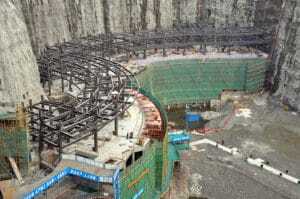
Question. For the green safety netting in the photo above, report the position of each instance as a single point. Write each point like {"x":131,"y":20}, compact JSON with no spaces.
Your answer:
{"x":147,"y":173}
{"x":192,"y":81}
{"x":13,"y":143}
{"x":152,"y":173}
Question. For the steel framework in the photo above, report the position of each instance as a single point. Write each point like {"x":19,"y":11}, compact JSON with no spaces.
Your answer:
{"x":99,"y":91}
{"x":99,"y":88}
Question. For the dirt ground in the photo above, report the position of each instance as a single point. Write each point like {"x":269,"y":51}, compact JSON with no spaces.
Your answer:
{"x":270,"y":133}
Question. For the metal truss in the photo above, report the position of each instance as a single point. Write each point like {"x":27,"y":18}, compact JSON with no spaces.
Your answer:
{"x":98,"y":92}
{"x":99,"y":89}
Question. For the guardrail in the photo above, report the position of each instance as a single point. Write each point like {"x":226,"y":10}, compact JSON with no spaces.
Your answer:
{"x":70,"y":171}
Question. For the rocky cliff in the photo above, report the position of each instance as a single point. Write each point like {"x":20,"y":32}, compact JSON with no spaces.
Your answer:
{"x":286,"y":54}
{"x":19,"y":76}
{"x":51,"y":21}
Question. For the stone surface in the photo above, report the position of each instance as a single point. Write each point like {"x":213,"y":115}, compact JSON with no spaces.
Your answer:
{"x":271,"y":134}
{"x":52,"y":21}
{"x":287,"y":52}
{"x":19,"y":76}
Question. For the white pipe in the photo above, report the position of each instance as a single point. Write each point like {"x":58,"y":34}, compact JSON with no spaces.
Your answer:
{"x":256,"y":162}
{"x":232,"y":151}
{"x":261,"y":164}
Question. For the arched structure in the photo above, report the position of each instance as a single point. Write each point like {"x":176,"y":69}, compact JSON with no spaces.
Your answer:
{"x":94,"y":90}
{"x":99,"y":88}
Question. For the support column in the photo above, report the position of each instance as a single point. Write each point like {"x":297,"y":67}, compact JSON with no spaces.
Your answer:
{"x":31,"y":116}
{"x":95,"y":140}
{"x":41,"y":145}
{"x":127,"y":56}
{"x":164,"y":49}
{"x":145,"y":50}
{"x":42,"y":102}
{"x":41,"y":133}
{"x":164,"y":52}
{"x":61,"y":71}
{"x":43,"y":82}
{"x":49,"y":80}
{"x":60,"y":145}
{"x":71,"y":81}
{"x":116,"y":126}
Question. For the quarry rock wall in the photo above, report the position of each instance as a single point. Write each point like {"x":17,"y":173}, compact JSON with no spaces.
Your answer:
{"x":52,"y":21}
{"x":38,"y":23}
{"x":19,"y":76}
{"x":286,"y":54}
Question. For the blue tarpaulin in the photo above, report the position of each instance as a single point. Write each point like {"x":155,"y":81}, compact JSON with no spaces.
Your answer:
{"x":193,"y":117}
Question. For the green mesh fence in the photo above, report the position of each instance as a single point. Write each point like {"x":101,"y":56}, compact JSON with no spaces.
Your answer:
{"x":182,"y":81}
{"x":154,"y":171}
{"x":13,"y":144}
{"x":192,"y":81}
{"x":147,"y":173}
{"x":142,"y":175}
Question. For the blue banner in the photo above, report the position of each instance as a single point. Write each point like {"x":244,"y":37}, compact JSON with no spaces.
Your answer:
{"x":179,"y":138}
{"x":116,"y":184}
{"x":138,"y":194}
{"x":75,"y":172}
{"x":47,"y":184}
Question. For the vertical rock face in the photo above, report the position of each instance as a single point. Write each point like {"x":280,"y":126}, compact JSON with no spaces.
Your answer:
{"x":231,"y":12}
{"x":268,"y":12}
{"x":126,"y":16}
{"x":53,"y":21}
{"x":286,"y":56}
{"x":188,"y":9}
{"x":19,"y":76}
{"x":166,"y":11}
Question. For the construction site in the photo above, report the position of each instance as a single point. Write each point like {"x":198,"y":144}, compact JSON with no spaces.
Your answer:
{"x":174,"y":99}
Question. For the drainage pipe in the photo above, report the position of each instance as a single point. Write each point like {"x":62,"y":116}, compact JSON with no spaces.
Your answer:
{"x":261,"y":163}
{"x":232,"y":151}
{"x":256,"y":162}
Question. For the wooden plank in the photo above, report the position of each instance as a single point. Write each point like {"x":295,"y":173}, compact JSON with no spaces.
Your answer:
{"x":16,"y":170}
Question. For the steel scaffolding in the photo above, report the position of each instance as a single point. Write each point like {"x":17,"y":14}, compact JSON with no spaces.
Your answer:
{"x":100,"y":89}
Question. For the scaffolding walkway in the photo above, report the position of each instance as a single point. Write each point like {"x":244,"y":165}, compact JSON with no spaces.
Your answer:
{"x":80,"y":167}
